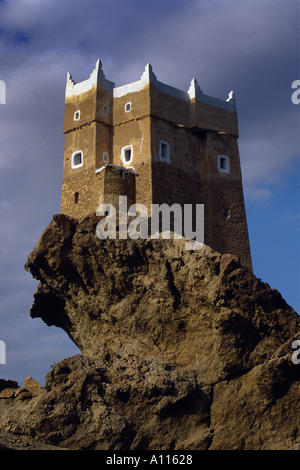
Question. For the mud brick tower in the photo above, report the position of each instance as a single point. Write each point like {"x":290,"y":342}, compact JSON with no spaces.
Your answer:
{"x":155,"y":144}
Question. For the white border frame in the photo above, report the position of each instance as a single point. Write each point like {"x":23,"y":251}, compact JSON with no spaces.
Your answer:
{"x":73,"y":166}
{"x":130,"y":106}
{"x":127,"y":147}
{"x":77,"y":119}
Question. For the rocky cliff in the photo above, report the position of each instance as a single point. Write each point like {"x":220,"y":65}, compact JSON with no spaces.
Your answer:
{"x":180,"y":349}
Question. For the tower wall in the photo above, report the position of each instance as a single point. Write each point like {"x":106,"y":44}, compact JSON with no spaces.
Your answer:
{"x":133,"y":128}
{"x":226,"y":228}
{"x":88,"y":129}
{"x":115,"y":182}
{"x":80,"y":194}
{"x":155,"y":144}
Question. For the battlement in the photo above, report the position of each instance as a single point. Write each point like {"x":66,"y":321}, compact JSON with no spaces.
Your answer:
{"x":97,"y":77}
{"x":194,"y":91}
{"x":203,"y":111}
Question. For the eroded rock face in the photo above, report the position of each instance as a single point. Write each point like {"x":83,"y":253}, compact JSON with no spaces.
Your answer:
{"x":180,"y":349}
{"x":117,"y":403}
{"x":154,"y":298}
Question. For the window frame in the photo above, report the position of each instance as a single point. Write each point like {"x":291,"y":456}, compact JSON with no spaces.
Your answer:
{"x":105,"y":157}
{"x":226,"y":159}
{"x":123,"y":150}
{"x":73,"y":166}
{"x":129,"y":103}
{"x":77,"y":119}
{"x":160,"y":151}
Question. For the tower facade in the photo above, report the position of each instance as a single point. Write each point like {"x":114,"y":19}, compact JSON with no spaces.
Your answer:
{"x":155,"y":144}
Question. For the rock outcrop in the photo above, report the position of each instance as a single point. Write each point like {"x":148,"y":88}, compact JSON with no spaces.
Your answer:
{"x":180,"y":349}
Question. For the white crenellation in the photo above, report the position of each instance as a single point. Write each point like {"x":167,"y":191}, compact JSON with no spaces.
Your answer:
{"x":148,"y":76}
{"x":231,"y":97}
{"x":194,"y":91}
{"x":228,"y":104}
{"x":97,"y":76}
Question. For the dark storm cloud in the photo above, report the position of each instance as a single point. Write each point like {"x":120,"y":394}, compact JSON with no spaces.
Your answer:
{"x":250,"y":46}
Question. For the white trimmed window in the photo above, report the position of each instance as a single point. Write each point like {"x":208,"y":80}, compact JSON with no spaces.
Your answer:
{"x":164,"y":151}
{"x":224,"y":164}
{"x":105,"y":157}
{"x":128,"y":107}
{"x":126,"y":154}
{"x":77,"y":115}
{"x":77,"y":159}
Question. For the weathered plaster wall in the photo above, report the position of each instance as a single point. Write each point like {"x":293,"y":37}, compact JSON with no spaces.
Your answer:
{"x":222,"y":195}
{"x":197,"y":128}
{"x":215,"y":118}
{"x":115,"y":182}
{"x":88,"y":187}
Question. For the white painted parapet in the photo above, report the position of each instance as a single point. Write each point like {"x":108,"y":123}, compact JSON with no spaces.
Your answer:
{"x":148,"y":76}
{"x":97,"y":76}
{"x":195,"y":92}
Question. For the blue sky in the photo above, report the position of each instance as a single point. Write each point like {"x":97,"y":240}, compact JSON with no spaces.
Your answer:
{"x":250,"y":47}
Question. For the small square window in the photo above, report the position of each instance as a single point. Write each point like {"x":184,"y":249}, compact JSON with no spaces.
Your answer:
{"x":77,"y":159}
{"x":224,"y":164}
{"x":127,"y":107}
{"x":126,"y":154}
{"x":164,"y":151}
{"x":77,"y":115}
